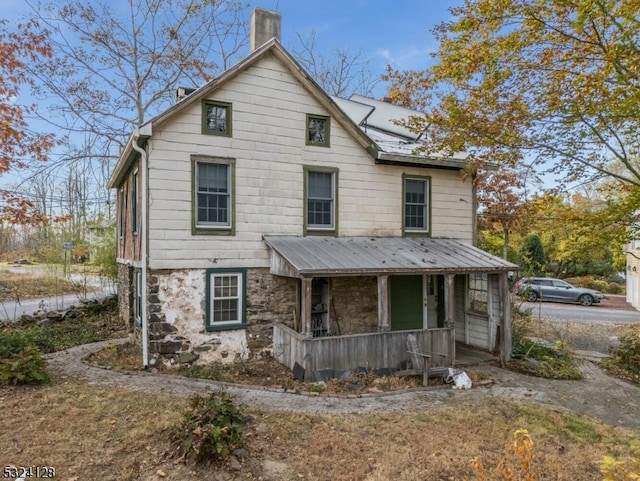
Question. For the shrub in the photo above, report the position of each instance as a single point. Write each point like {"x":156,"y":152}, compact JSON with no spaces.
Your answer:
{"x":516,"y":464}
{"x":20,"y":361}
{"x":615,"y":288}
{"x":211,"y":429}
{"x":627,"y":356}
{"x":212,"y":372}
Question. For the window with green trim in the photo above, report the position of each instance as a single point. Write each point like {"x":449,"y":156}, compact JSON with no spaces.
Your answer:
{"x":137,"y":306}
{"x":416,"y":204}
{"x":226,"y":292}
{"x":213,"y":195}
{"x":478,"y":293}
{"x":320,"y":199}
{"x":216,"y":118}
{"x":318,"y":129}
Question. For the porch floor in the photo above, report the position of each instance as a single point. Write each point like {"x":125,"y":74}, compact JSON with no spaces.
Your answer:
{"x":466,"y":356}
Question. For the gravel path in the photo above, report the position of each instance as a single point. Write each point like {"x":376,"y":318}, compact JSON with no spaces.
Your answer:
{"x":598,"y":395}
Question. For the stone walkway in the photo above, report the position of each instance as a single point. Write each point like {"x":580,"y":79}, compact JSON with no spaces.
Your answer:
{"x":599,"y":396}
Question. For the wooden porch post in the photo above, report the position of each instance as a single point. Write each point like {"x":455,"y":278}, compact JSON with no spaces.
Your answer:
{"x":505,"y":317}
{"x":450,"y":314}
{"x":305,"y":307}
{"x":383,"y":304}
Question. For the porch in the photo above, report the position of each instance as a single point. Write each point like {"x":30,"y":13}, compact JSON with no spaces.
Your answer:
{"x":360,"y":298}
{"x":373,"y":351}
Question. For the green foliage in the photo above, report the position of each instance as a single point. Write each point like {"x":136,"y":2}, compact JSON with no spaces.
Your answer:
{"x":627,"y":356}
{"x":211,"y":429}
{"x":602,"y":285}
{"x":92,"y":322}
{"x":20,"y":361}
{"x":532,"y":257}
{"x":212,"y":372}
{"x":544,"y":361}
{"x":105,"y":253}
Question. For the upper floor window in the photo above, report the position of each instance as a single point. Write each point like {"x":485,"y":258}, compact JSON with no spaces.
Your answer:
{"x":122,"y":208}
{"x":321,"y":199}
{"x":213,"y":196}
{"x":478,"y":293}
{"x":216,"y":118}
{"x":416,"y":205}
{"x":318,"y":128}
{"x":134,"y":202}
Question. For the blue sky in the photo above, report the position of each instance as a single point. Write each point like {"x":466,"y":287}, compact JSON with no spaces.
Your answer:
{"x":389,"y":33}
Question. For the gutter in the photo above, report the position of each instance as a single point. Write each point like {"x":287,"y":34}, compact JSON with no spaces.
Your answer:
{"x":143,"y":170}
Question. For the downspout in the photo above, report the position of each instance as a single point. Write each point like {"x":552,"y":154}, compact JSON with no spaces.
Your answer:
{"x":143,"y":246}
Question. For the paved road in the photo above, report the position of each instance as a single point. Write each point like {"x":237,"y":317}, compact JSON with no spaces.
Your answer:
{"x":599,"y":396}
{"x":572,"y":312}
{"x":96,"y":289}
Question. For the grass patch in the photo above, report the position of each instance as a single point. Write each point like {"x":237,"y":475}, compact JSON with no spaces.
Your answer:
{"x":106,"y":433}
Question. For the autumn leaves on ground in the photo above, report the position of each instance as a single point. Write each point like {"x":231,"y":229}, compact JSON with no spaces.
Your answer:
{"x":89,"y":432}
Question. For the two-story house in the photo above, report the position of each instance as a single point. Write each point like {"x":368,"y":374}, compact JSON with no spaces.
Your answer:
{"x":258,"y":211}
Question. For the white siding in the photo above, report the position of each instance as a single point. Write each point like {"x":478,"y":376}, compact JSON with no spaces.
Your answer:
{"x":269,"y":118}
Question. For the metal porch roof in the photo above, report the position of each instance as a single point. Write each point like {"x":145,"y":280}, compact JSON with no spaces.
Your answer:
{"x":304,"y":256}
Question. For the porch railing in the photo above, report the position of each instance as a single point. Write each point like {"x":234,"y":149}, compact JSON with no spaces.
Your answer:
{"x":372,"y":350}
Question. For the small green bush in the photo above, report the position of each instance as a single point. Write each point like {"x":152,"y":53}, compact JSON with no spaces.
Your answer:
{"x":627,"y":356}
{"x":20,"y":361}
{"x":212,"y":372}
{"x":211,"y":429}
{"x":615,"y":288}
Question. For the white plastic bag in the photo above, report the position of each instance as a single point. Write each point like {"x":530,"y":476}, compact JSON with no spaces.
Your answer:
{"x":459,"y":379}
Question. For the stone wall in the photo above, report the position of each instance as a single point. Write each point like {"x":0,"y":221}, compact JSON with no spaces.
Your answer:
{"x":125,"y":295}
{"x":269,"y":299}
{"x":177,"y":312}
{"x":355,"y":302}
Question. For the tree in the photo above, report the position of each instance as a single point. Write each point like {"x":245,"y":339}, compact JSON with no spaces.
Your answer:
{"x":551,"y":80}
{"x":18,"y":145}
{"x":501,"y":203}
{"x":532,"y":255}
{"x":343,"y":74}
{"x":108,"y":69}
{"x":112,"y":67}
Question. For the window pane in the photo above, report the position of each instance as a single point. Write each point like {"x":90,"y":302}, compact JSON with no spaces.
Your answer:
{"x":415,"y":204}
{"x":217,"y":118}
{"x":320,"y":199}
{"x":478,"y":293}
{"x":316,"y":132}
{"x":213,"y":194}
{"x":415,"y":191}
{"x":320,"y":185}
{"x":226,"y":303}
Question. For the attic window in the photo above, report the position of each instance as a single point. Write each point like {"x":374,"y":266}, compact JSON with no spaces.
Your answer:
{"x":216,"y":118}
{"x":318,"y":128}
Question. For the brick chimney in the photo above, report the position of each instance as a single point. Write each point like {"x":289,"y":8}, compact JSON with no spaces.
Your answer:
{"x":265,"y":24}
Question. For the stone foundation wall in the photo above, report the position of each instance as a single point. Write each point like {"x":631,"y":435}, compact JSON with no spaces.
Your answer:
{"x":355,"y":302}
{"x":177,"y":314}
{"x":125,"y":295}
{"x":269,"y":299}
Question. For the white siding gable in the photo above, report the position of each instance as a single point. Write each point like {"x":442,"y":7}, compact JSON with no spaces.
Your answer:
{"x":269,"y":110}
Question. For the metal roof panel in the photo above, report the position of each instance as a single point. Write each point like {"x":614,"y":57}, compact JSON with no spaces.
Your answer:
{"x":361,"y":255}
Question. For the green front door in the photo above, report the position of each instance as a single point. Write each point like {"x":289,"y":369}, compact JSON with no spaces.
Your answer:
{"x":406,"y":302}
